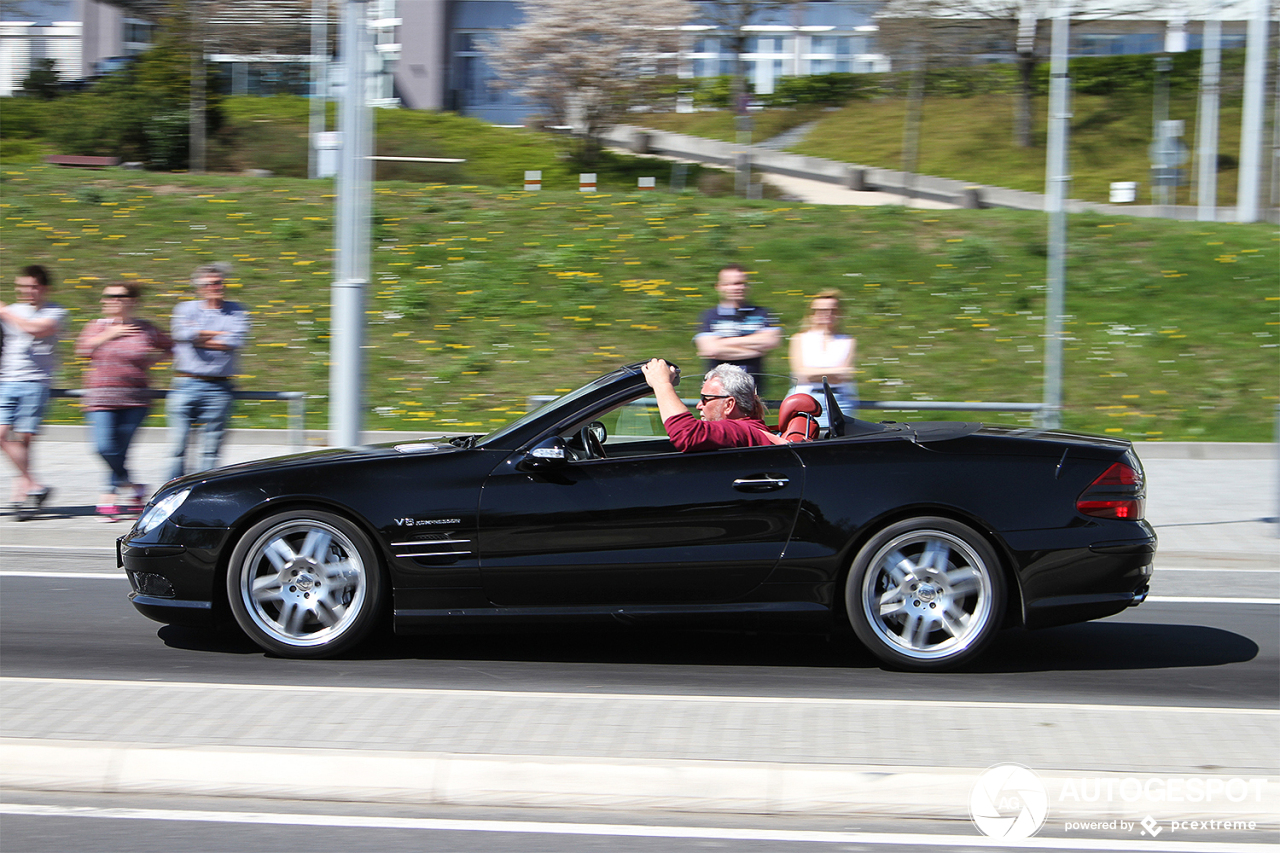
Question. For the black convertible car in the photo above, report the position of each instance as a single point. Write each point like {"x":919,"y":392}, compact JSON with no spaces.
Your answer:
{"x":924,"y":538}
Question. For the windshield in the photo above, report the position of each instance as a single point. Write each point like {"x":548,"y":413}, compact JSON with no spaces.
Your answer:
{"x":565,"y":401}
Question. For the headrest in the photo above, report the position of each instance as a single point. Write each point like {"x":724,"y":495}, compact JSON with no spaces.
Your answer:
{"x":801,"y":428}
{"x":797,"y":404}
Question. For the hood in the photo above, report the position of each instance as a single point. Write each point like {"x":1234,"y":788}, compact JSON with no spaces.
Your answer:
{"x":328,"y":456}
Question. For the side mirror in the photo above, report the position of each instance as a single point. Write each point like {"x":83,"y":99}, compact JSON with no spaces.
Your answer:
{"x":546,"y":455}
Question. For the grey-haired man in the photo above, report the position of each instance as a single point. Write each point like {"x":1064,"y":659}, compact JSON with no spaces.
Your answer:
{"x":208,"y":333}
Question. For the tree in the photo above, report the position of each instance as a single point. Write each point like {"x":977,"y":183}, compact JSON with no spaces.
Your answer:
{"x":943,"y":32}
{"x":950,"y":29}
{"x":42,"y":81}
{"x":585,"y":63}
{"x":730,"y":18}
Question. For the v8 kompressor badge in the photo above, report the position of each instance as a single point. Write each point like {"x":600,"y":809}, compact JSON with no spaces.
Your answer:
{"x":425,"y":522}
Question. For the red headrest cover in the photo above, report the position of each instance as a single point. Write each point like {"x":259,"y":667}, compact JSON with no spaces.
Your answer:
{"x":797,"y":418}
{"x":797,"y":404}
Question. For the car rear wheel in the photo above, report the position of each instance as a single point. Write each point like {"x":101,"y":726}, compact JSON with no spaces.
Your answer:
{"x":305,"y":584}
{"x":925,"y":594}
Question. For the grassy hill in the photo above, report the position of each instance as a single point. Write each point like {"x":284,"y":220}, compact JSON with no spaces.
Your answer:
{"x":484,"y":295}
{"x":971,"y":139}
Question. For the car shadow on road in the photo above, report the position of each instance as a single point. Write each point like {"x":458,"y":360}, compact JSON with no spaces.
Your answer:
{"x":224,"y":640}
{"x":1090,"y":646}
{"x":1114,"y":646}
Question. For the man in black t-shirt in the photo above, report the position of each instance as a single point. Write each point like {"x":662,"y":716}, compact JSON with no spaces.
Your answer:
{"x":734,"y":332}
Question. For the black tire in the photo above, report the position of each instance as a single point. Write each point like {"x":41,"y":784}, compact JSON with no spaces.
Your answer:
{"x":926,"y":594}
{"x":305,"y":584}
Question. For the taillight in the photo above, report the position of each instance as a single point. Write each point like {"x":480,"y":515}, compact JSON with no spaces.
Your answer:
{"x":1116,"y":493}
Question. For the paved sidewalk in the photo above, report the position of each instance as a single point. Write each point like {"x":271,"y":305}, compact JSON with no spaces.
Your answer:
{"x":1213,"y":505}
{"x":676,"y":752}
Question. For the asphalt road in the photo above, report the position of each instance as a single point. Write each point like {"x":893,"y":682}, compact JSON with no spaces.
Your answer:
{"x":63,"y":615}
{"x":69,"y":625}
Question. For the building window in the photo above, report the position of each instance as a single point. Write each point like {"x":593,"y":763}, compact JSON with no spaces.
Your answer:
{"x":139,"y":32}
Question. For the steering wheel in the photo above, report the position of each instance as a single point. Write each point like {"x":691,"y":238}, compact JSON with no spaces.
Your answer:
{"x":592,"y":437}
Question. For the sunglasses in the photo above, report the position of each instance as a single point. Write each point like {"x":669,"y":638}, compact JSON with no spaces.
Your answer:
{"x":115,"y":296}
{"x":707,"y":398}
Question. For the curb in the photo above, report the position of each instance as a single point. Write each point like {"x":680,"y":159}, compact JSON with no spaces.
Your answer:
{"x":516,"y":781}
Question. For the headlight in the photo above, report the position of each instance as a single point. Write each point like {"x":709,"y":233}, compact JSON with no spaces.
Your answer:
{"x":161,"y":510}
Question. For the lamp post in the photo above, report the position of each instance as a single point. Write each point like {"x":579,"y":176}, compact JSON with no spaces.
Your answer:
{"x":1056,"y":180}
{"x":1255,"y":76}
{"x":196,"y":129}
{"x":346,"y":370}
{"x":319,"y":62}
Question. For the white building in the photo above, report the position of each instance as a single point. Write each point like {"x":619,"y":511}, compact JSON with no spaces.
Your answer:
{"x":430,"y":52}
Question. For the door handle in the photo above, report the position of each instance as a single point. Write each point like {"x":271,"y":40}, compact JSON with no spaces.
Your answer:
{"x":760,"y":483}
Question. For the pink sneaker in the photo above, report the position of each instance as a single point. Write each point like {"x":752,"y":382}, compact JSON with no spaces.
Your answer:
{"x":108,"y":512}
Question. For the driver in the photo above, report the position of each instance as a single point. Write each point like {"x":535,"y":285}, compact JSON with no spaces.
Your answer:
{"x":732,"y":413}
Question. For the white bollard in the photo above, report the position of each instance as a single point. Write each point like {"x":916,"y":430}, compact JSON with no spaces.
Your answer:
{"x":647,"y":183}
{"x":1123,"y":192}
{"x":587,"y":182}
{"x":532,"y":181}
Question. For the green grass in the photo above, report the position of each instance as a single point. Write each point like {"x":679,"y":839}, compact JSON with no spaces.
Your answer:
{"x":971,"y":139}
{"x":482,"y":295}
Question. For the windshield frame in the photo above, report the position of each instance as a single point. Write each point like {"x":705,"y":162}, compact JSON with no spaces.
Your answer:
{"x":554,"y":411}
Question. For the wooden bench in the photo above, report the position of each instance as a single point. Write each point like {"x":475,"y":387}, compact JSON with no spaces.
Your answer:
{"x":82,"y":161}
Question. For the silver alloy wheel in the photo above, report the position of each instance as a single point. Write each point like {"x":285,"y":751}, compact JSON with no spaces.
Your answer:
{"x":928,"y":594}
{"x":303,"y":583}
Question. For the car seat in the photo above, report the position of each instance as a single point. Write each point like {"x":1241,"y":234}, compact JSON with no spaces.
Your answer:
{"x":798,"y":418}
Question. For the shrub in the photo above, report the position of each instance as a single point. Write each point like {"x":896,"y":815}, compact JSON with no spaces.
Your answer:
{"x":821,"y":89}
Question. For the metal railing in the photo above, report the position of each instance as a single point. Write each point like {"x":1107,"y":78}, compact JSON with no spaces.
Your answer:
{"x":535,"y":400}
{"x":295,"y":399}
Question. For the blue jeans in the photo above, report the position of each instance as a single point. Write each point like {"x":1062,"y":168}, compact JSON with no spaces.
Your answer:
{"x":113,"y":431}
{"x":197,"y":401}
{"x":846,"y":398}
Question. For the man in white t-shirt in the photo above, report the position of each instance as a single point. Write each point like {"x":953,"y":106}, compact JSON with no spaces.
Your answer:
{"x":32,"y":326}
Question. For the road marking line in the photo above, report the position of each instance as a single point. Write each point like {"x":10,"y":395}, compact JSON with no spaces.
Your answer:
{"x":1192,"y":599}
{"x":662,"y":697}
{"x":99,"y":576}
{"x":69,"y":549}
{"x":1234,"y":571}
{"x":624,"y":830}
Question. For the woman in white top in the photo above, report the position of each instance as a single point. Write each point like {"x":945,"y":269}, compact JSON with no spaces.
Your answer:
{"x":819,"y":350}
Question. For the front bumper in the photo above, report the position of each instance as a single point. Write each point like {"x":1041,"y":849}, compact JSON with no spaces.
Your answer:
{"x":171,"y":583}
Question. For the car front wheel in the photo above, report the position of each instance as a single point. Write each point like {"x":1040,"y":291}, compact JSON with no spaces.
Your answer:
{"x":305,"y":584}
{"x":925,"y":594}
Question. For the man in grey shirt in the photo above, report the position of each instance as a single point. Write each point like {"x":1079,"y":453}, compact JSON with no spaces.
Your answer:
{"x":207,"y":333}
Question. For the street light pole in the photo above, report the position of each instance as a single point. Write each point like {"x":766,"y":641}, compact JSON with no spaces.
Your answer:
{"x":1056,"y":180}
{"x":196,"y":128}
{"x":1255,"y":77}
{"x":1207,"y":126}
{"x":319,"y":61}
{"x":346,"y":369}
